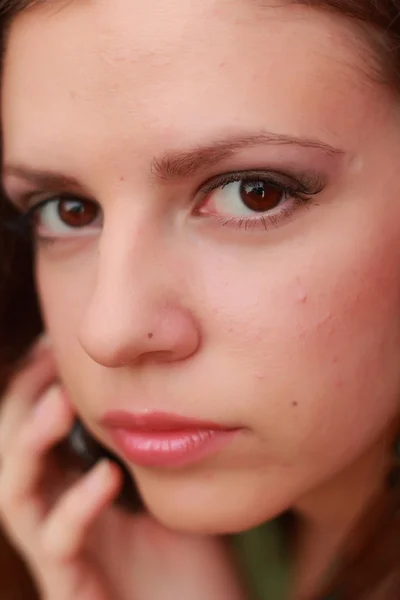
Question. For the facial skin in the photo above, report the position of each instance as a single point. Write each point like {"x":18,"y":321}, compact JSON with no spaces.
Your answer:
{"x":289,"y":330}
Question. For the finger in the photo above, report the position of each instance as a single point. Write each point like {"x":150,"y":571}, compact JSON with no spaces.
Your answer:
{"x":66,"y":528}
{"x":22,"y":393}
{"x":25,"y":463}
{"x":39,"y":347}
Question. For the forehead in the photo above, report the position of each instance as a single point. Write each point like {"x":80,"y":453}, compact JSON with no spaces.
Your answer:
{"x":111,"y":68}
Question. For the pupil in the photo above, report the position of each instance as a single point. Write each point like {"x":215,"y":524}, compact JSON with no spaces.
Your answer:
{"x":76,"y":213}
{"x":260,"y":196}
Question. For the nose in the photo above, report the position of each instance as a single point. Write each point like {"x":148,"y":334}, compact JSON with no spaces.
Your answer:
{"x":136,"y":311}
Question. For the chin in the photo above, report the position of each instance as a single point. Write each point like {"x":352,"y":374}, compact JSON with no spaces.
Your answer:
{"x":207,"y":508}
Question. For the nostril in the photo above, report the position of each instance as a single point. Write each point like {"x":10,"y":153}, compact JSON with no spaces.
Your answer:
{"x":114,"y":332}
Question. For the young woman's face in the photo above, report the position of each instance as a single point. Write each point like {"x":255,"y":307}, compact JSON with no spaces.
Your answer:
{"x":228,"y":249}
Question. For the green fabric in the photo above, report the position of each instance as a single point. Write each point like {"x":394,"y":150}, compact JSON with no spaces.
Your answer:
{"x":265,"y":561}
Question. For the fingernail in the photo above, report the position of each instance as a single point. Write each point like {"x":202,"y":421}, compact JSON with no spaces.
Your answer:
{"x":41,"y":344}
{"x":43,"y":341}
{"x":96,"y":480}
{"x":41,"y":408}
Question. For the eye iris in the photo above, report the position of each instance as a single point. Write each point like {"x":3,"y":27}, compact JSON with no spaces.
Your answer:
{"x":260,"y":196}
{"x":77,"y":213}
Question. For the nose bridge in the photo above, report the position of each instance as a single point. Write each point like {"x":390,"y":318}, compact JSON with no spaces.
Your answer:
{"x":129,"y":258}
{"x":135,"y":308}
{"x":128,"y":278}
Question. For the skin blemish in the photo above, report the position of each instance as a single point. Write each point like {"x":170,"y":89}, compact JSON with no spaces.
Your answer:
{"x":302,"y":296}
{"x":323,"y":322}
{"x":300,"y":293}
{"x":294,"y":403}
{"x":149,"y":335}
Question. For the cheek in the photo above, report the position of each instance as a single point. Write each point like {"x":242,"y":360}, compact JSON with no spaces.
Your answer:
{"x":64,"y":289}
{"x":311,"y":339}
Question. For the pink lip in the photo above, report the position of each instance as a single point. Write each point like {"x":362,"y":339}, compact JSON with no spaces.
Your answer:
{"x":165,"y":440}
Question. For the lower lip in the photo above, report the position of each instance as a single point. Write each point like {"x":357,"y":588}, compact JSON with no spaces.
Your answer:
{"x":170,"y":448}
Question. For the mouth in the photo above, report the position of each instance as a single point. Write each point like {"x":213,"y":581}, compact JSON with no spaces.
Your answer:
{"x":165,"y":440}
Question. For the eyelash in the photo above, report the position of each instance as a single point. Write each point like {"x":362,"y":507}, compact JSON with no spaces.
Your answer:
{"x":301,"y":190}
{"x":310,"y":184}
{"x":22,"y":224}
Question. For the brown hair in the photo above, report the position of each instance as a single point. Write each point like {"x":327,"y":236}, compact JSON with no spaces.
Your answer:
{"x":371,"y":571}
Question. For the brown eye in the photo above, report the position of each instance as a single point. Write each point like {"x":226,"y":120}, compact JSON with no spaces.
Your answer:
{"x":260,"y":196}
{"x":77,"y":213}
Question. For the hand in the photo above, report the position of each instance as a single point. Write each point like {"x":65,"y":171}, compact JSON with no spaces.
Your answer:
{"x":76,"y":544}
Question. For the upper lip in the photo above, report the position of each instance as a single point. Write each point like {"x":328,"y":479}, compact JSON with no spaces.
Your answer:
{"x":155,"y":421}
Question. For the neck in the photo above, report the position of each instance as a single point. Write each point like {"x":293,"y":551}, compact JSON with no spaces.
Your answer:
{"x":327,"y":517}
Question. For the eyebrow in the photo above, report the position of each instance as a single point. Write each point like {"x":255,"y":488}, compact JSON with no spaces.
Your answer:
{"x":178,"y":165}
{"x":43,"y":179}
{"x":181,"y":164}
